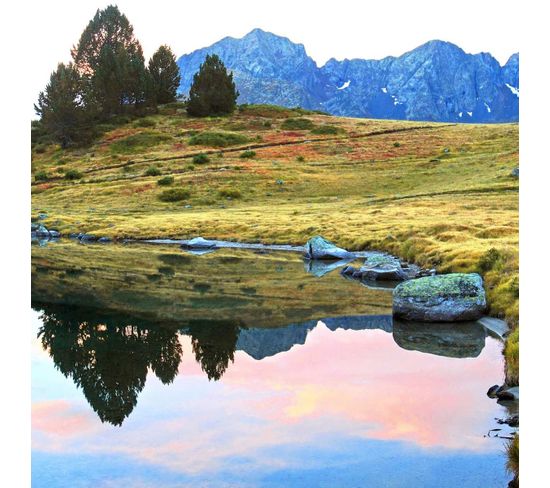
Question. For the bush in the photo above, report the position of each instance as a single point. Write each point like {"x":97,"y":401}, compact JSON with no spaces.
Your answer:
{"x":396,"y":144}
{"x":326,"y":129}
{"x":297,"y":124}
{"x":248,"y":154}
{"x":73,"y":174}
{"x":230,"y":193}
{"x":137,"y":142}
{"x":218,"y":139}
{"x":300,"y":159}
{"x":174,"y":195}
{"x":145,"y":122}
{"x":41,"y":176}
{"x":167,"y":180}
{"x":152,"y":171}
{"x":201,"y":159}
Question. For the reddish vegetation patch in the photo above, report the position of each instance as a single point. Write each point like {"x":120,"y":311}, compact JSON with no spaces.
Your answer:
{"x":291,"y":134}
{"x":136,"y":189}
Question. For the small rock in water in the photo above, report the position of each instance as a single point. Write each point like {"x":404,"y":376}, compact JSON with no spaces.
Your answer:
{"x":492,"y":392}
{"x":198,"y":243}
{"x":319,"y":248}
{"x":104,"y":239}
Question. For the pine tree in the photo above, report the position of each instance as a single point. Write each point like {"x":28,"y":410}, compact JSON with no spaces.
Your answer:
{"x":60,"y":106}
{"x":213,"y":90}
{"x":165,"y":75}
{"x":110,"y":60}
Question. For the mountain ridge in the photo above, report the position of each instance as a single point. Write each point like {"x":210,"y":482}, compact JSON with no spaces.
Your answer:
{"x":436,"y":81}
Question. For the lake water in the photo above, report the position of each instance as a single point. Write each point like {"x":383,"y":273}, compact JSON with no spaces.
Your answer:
{"x":156,"y":368}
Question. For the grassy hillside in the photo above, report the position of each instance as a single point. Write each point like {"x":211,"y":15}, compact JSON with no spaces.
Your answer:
{"x":438,"y":194}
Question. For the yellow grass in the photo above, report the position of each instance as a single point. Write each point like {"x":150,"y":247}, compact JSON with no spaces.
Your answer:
{"x":437,"y":194}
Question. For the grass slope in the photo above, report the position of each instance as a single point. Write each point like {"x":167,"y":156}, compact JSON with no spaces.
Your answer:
{"x":438,"y":194}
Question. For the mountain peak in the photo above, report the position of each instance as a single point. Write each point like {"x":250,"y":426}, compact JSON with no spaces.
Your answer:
{"x":435,"y":81}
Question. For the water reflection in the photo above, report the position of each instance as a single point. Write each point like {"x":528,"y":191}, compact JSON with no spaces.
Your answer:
{"x":108,"y":356}
{"x":276,"y":377}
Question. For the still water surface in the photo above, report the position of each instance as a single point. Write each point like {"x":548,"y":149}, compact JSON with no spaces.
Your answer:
{"x":149,"y":395}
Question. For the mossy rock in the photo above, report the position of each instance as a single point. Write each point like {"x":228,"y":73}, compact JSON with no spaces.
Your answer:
{"x":442,"y":298}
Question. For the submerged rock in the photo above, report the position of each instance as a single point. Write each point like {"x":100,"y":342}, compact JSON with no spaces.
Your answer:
{"x":441,"y":298}
{"x":464,"y":340}
{"x":319,"y":248}
{"x":198,"y":243}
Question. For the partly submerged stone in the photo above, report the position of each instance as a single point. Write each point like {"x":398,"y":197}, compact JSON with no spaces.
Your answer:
{"x":464,"y":340}
{"x":198,"y":243}
{"x":440,"y":298}
{"x":319,"y":248}
{"x":382,"y":267}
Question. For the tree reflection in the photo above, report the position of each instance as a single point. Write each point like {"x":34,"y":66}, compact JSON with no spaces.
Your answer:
{"x":214,"y":346}
{"x":108,"y":355}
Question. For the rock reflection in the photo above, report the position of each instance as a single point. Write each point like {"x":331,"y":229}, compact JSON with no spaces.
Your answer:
{"x":453,"y":340}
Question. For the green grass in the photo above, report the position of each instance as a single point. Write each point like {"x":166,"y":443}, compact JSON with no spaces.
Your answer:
{"x":218,"y":139}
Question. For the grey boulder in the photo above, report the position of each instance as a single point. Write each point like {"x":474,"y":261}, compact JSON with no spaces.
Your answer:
{"x":382,"y":267}
{"x":442,"y":298}
{"x":319,"y":248}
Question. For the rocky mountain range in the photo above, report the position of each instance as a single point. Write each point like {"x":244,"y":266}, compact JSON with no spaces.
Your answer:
{"x":437,"y":81}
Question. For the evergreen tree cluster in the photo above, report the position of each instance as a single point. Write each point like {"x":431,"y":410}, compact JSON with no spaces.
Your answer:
{"x":107,"y":77}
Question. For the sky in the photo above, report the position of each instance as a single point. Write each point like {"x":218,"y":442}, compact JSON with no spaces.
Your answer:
{"x":339,"y":29}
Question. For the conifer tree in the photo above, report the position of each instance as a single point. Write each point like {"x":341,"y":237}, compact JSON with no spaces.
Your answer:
{"x":213,"y":90}
{"x":110,"y":60}
{"x":60,"y":106}
{"x":165,"y":75}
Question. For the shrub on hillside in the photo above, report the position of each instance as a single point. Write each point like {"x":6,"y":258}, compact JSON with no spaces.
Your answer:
{"x":248,"y":154}
{"x":73,"y":174}
{"x":201,"y":159}
{"x":326,"y":130}
{"x":217,"y":139}
{"x":174,"y":195}
{"x":297,"y":124}
{"x":167,"y":180}
{"x":152,"y":171}
{"x":41,"y":176}
{"x":230,"y":193}
{"x":137,"y":142}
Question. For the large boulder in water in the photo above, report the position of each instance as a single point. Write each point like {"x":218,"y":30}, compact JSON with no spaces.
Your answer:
{"x":441,"y":298}
{"x":319,"y":248}
{"x":463,"y":340}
